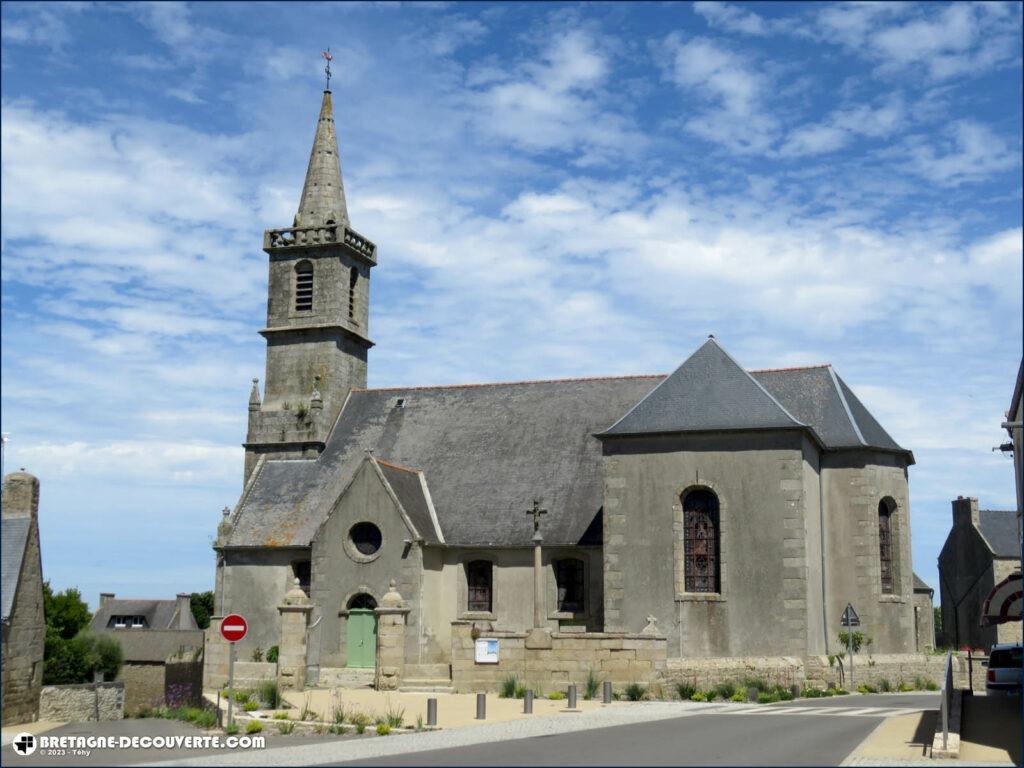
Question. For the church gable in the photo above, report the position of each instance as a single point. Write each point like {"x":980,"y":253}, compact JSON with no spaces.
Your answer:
{"x":708,"y":392}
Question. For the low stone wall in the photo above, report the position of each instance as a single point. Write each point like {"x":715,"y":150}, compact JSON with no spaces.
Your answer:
{"x":705,"y":674}
{"x":617,"y":657}
{"x":79,"y":703}
{"x":143,"y":685}
{"x":905,"y":667}
{"x":183,"y":682}
{"x":215,"y":663}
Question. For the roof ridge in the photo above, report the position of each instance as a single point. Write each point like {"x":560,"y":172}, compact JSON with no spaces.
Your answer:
{"x":760,"y":386}
{"x":834,"y":378}
{"x":396,"y":466}
{"x":791,"y":368}
{"x":507,"y":383}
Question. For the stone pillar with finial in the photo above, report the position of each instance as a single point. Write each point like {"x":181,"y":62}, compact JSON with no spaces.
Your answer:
{"x":391,"y":618}
{"x":540,"y":635}
{"x":291,"y":654}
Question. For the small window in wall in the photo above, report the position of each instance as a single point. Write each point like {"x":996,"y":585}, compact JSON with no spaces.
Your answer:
{"x":353,"y":277}
{"x":479,"y":579}
{"x":366,"y":537}
{"x":886,"y":508}
{"x":304,"y":286}
{"x":128,"y":622}
{"x":700,"y":541}
{"x":569,"y":578}
{"x":302,"y":571}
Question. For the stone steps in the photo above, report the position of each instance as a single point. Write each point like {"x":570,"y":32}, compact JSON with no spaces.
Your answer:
{"x":441,"y":685}
{"x":346,"y":678}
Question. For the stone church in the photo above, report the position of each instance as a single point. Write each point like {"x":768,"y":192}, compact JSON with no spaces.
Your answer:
{"x":724,"y":512}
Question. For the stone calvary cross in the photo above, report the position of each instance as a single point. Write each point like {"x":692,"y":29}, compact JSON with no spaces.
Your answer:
{"x":538,"y":569}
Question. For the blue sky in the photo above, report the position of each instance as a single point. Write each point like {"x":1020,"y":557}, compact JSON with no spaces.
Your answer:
{"x":555,"y":190}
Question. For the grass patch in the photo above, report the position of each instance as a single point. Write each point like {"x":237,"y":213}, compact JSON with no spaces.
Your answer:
{"x":884,"y":685}
{"x":395,"y":716}
{"x":767,"y":698}
{"x":865,"y":688}
{"x":285,"y":729}
{"x":635,"y":691}
{"x":383,"y":729}
{"x":241,"y":697}
{"x":254,"y":726}
{"x":756,"y":683}
{"x":231,"y":729}
{"x":280,"y":715}
{"x":698,"y":696}
{"x":337,"y":729}
{"x":726,"y":690}
{"x":738,"y":697}
{"x":360,"y":720}
{"x":250,"y":706}
{"x":556,"y":696}
{"x":269,"y":694}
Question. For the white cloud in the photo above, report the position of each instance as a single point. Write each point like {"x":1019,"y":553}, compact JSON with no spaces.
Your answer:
{"x":732,"y":18}
{"x":968,"y":152}
{"x":843,"y":126}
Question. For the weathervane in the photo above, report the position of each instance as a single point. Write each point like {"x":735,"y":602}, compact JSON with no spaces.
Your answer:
{"x":327,"y":70}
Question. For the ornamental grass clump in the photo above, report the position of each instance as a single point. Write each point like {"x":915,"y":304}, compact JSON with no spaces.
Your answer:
{"x":592,"y":685}
{"x":508,"y":687}
{"x":635,"y":692}
{"x":254,"y":726}
{"x":685,"y":690}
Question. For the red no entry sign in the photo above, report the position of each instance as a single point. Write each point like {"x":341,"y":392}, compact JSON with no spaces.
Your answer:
{"x":233,"y":628}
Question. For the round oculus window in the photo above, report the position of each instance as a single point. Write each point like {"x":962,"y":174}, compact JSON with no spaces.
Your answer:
{"x":366,"y":538}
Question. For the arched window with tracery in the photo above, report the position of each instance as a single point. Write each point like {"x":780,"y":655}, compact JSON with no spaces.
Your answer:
{"x":701,"y":541}
{"x":887,"y":564}
{"x":304,"y":286}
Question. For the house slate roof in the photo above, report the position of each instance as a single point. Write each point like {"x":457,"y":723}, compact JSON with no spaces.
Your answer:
{"x":999,"y":530}
{"x":160,"y":614}
{"x":14,"y":532}
{"x":487,"y":450}
{"x":921,"y":586}
{"x":409,"y":487}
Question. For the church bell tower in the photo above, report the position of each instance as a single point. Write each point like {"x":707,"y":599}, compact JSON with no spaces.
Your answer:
{"x":317,"y":314}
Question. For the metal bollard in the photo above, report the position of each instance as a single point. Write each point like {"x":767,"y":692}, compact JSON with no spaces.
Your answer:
{"x":528,"y":703}
{"x":432,"y":712}
{"x":572,"y":696}
{"x":607,"y":692}
{"x":481,"y":706}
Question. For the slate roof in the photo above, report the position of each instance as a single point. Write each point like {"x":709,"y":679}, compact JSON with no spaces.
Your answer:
{"x":13,"y":541}
{"x":408,"y":485}
{"x":999,"y":529}
{"x":921,"y":586}
{"x":160,"y":614}
{"x":708,"y":392}
{"x":486,"y":450}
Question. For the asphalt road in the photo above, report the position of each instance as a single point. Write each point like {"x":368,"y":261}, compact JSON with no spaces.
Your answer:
{"x":769,"y":737}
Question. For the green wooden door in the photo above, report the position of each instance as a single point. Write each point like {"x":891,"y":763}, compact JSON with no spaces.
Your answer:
{"x":362,"y":638}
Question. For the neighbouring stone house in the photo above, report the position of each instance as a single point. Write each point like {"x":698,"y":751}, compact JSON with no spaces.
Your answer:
{"x":24,"y":625}
{"x":152,"y":635}
{"x":924,"y":615}
{"x":981,"y":550}
{"x":714,"y":512}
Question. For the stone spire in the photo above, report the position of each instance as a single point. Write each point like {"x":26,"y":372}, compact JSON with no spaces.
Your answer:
{"x":323,"y":195}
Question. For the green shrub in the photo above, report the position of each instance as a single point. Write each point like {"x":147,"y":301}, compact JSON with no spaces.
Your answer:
{"x":904,"y":687}
{"x":269,"y":694}
{"x":383,"y":729}
{"x":395,"y":716}
{"x":231,"y":729}
{"x":859,"y":640}
{"x":767,"y":698}
{"x":272,"y":654}
{"x":757,"y":683}
{"x":257,"y":654}
{"x":280,"y":715}
{"x":337,"y":729}
{"x":592,"y":685}
{"x":725,"y":690}
{"x":419,"y":722}
{"x":884,"y":685}
{"x":339,"y":715}
{"x":841,"y":692}
{"x":931,"y":685}
{"x":865,"y":688}
{"x":286,"y":728}
{"x":685,"y":691}
{"x":250,"y":706}
{"x":254,"y":726}
{"x":360,"y":720}
{"x":242,"y":696}
{"x":699,"y":696}
{"x":206,"y":719}
{"x":738,"y":697}
{"x":635,"y":692}
{"x":76,"y":660}
{"x":556,"y":696}
{"x":508,"y":687}
{"x":812,"y":693}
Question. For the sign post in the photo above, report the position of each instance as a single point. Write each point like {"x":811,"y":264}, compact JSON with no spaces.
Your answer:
{"x":233,"y":628}
{"x":850,"y":620}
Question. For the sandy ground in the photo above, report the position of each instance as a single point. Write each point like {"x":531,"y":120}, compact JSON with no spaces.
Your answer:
{"x":454,"y":710}
{"x":991,"y":732}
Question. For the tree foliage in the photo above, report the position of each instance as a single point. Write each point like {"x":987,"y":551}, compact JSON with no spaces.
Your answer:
{"x":66,"y":612}
{"x":202,"y":608}
{"x":76,"y":660}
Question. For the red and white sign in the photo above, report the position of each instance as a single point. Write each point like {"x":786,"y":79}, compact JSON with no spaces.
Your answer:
{"x":233,"y":628}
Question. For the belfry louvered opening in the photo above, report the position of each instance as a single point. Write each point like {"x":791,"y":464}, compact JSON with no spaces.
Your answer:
{"x":304,"y":286}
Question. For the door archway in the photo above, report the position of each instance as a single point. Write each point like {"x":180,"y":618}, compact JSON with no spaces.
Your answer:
{"x":361,"y":632}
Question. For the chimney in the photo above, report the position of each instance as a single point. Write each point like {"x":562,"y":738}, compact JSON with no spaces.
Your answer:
{"x":184,"y":610}
{"x":965,"y":511}
{"x":105,"y":597}
{"x":21,"y":495}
